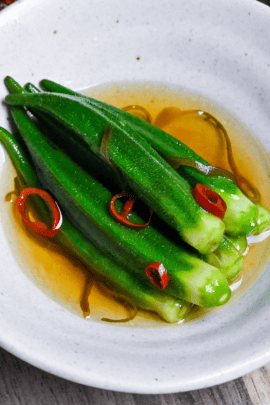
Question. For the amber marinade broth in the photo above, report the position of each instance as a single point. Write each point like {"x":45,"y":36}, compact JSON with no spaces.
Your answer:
{"x":62,"y":277}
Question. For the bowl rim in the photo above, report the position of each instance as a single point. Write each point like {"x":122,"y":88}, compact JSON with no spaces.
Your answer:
{"x":40,"y":352}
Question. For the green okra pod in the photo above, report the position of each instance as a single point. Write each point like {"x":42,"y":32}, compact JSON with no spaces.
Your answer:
{"x":69,"y":237}
{"x":85,"y":202}
{"x":153,"y":180}
{"x":241,"y":215}
{"x":227,"y":257}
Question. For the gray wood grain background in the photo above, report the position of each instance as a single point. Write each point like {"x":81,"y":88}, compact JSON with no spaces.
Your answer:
{"x":23,"y":384}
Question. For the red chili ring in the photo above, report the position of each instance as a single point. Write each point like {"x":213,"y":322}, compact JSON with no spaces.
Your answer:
{"x":158,"y":275}
{"x":122,"y":216}
{"x":210,"y":200}
{"x":40,"y":227}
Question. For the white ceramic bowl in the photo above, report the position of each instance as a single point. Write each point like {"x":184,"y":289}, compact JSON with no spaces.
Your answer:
{"x":219,"y":48}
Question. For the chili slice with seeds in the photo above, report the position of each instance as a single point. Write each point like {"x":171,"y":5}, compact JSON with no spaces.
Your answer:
{"x":40,"y":227}
{"x":157,"y":274}
{"x":209,"y":200}
{"x":122,"y":216}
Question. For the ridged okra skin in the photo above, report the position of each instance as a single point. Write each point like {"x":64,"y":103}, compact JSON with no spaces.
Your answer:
{"x":141,"y":294}
{"x":227,"y":257}
{"x":263,"y":220}
{"x":240,"y":218}
{"x":145,"y":171}
{"x":86,"y":204}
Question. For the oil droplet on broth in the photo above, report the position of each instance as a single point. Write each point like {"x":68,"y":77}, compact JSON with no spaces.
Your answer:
{"x":65,"y":278}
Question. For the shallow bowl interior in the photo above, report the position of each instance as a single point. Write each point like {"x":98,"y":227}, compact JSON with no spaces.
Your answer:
{"x":218,"y":49}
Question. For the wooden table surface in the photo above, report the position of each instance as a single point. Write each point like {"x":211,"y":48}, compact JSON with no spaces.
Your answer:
{"x":23,"y":384}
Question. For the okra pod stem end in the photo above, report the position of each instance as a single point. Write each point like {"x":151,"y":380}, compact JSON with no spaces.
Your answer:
{"x":241,"y":214}
{"x":263,"y":220}
{"x":208,"y":234}
{"x":172,"y":310}
{"x":229,"y":256}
